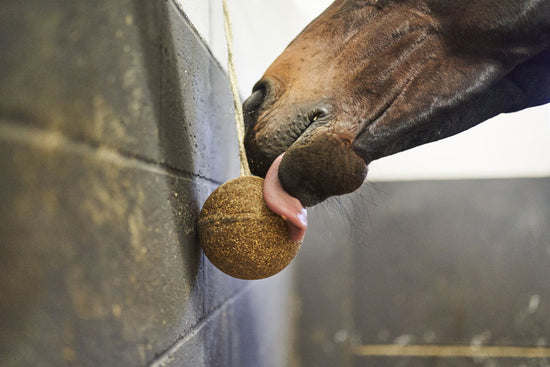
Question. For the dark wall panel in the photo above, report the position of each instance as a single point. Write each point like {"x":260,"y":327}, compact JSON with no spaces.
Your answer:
{"x":429,"y":263}
{"x":457,"y":263}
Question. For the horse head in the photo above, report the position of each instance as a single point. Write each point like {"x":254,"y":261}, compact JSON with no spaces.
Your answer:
{"x":369,"y":78}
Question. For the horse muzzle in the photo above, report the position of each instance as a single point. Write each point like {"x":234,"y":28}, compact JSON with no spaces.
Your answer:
{"x":318,"y":161}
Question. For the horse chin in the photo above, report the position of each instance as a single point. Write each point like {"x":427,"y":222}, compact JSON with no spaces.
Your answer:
{"x":320,"y":167}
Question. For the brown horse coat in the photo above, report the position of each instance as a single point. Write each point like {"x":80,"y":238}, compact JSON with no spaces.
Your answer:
{"x":370,"y":78}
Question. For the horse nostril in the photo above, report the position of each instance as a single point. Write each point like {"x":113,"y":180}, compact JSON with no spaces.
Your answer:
{"x":318,"y":113}
{"x":253,"y":104}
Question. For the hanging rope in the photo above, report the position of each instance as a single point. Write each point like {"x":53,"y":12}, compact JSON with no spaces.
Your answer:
{"x":239,"y":119}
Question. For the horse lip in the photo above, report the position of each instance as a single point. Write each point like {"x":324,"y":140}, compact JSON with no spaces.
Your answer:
{"x":310,"y":125}
{"x":263,"y":149}
{"x":307,"y":197}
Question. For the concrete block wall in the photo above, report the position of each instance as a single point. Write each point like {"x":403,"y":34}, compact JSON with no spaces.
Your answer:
{"x":115,"y":125}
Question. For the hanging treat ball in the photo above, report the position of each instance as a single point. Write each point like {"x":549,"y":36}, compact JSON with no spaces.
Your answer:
{"x":240,"y":235}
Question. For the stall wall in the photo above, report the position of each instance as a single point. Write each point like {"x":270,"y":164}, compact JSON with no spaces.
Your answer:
{"x":116,"y":123}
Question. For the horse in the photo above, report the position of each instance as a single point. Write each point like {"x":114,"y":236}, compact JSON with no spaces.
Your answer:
{"x":370,"y":78}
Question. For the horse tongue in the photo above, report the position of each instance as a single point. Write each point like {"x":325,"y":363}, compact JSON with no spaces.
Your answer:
{"x":281,"y":203}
